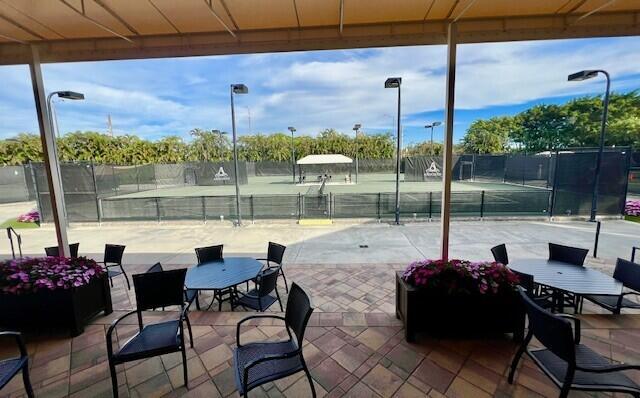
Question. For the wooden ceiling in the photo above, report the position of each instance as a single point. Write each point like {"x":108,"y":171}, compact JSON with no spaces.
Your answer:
{"x":75,"y":30}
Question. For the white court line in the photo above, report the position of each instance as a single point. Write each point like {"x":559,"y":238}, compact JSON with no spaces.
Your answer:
{"x":585,"y":229}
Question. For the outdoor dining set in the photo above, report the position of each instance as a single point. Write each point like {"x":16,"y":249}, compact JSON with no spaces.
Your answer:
{"x":547,"y":287}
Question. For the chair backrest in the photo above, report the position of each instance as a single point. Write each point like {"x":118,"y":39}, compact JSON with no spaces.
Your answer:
{"x":567,"y":254}
{"x":159,"y":289}
{"x":209,"y":253}
{"x":113,"y":253}
{"x":157,"y":267}
{"x":298,"y":311}
{"x":553,"y":332}
{"x":268,"y":281}
{"x":54,"y":252}
{"x":275,"y":252}
{"x":526,"y":281}
{"x":500,"y":254}
{"x":628,"y":273}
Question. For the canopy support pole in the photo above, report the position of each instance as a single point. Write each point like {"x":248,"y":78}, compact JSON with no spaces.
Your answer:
{"x":51,"y":163}
{"x":447,"y":165}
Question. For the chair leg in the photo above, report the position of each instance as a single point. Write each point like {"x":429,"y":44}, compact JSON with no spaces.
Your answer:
{"x":286,"y":286}
{"x":279,"y":301}
{"x":306,"y":371}
{"x":516,"y":358}
{"x":114,"y":379}
{"x":125,"y":277}
{"x":189,"y":329}
{"x":197,"y":301}
{"x":219,"y":301}
{"x":27,"y":382}
{"x":184,"y":364}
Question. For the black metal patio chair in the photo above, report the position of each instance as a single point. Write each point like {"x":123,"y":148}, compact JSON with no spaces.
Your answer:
{"x":12,"y":366}
{"x":569,"y":364}
{"x":500,"y":254}
{"x":258,"y":363}
{"x":189,"y":294}
{"x":112,"y":259}
{"x":527,"y":282}
{"x":275,"y":254}
{"x":205,"y":255}
{"x":567,"y":254}
{"x":54,"y":252}
{"x":209,"y":253}
{"x":153,"y":290}
{"x":628,"y":274}
{"x":260,"y":299}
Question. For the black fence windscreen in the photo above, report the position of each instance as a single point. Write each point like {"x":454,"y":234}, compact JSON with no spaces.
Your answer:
{"x":541,"y":185}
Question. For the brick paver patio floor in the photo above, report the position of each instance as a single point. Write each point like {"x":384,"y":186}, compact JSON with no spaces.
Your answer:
{"x":354,"y":347}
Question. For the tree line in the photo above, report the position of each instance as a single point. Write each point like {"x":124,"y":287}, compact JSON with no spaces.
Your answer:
{"x":205,"y":145}
{"x":575,"y":123}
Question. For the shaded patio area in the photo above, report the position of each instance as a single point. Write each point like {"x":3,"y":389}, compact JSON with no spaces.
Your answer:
{"x":354,"y":346}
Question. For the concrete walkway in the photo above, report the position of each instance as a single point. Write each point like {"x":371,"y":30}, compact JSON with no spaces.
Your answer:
{"x":340,"y":243}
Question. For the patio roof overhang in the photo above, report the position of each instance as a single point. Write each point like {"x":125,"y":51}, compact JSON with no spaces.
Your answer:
{"x":36,"y":31}
{"x":89,"y":30}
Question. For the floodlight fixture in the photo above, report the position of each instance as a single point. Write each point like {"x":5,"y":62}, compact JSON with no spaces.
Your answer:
{"x":71,"y":95}
{"x":393,"y":82}
{"x":582,"y":75}
{"x":239,"y":89}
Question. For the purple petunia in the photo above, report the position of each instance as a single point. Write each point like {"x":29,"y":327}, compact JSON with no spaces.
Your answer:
{"x":460,"y":276}
{"x":49,"y":273}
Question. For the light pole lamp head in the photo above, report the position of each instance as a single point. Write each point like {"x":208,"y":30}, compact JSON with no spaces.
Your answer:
{"x":71,"y":95}
{"x":239,"y":89}
{"x":436,"y":124}
{"x":393,"y":82}
{"x":582,"y":75}
{"x":292,"y":129}
{"x":357,"y":126}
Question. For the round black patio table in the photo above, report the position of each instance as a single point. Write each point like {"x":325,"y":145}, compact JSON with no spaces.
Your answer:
{"x":222,"y":275}
{"x":570,"y":278}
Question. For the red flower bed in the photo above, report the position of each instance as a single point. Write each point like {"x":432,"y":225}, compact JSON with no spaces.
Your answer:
{"x":46,"y":273}
{"x":461,"y":276}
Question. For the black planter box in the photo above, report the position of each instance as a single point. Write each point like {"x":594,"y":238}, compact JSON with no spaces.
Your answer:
{"x":470,"y":316}
{"x":69,"y":309}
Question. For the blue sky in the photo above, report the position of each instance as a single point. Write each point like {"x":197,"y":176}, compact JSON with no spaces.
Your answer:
{"x":319,"y":89}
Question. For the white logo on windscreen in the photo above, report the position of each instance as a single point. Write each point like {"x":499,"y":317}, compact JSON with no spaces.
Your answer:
{"x":433,"y":171}
{"x":221,"y":175}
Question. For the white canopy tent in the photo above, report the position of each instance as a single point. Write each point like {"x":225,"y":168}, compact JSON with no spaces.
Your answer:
{"x":325,"y":159}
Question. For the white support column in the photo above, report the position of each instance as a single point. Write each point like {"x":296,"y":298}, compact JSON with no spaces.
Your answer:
{"x":447,"y":165}
{"x":52,"y":166}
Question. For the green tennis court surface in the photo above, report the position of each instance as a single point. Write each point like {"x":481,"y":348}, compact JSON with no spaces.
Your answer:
{"x":367,"y":183}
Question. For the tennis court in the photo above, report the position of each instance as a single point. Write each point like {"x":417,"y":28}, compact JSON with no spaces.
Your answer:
{"x":367,"y":183}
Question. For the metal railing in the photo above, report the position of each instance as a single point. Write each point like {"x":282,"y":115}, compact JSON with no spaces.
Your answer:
{"x":10,"y":233}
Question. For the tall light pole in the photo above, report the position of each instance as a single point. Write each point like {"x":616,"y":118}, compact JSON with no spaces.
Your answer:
{"x":236,"y":89}
{"x":431,"y":126}
{"x":356,"y":128}
{"x":584,"y":75}
{"x":71,"y":95}
{"x":395,"y":82}
{"x":293,"y":153}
